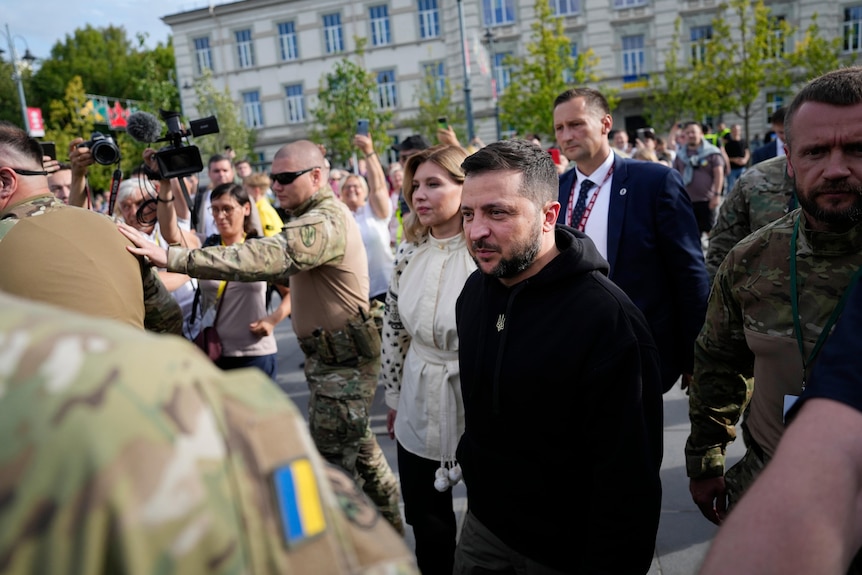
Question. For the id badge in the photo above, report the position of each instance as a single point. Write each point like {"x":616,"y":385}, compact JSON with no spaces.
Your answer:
{"x":789,"y":400}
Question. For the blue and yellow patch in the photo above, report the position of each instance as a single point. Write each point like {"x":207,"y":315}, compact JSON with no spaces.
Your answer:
{"x":299,"y":503}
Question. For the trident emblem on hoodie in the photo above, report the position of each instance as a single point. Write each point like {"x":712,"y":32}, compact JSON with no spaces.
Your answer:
{"x":501,"y":322}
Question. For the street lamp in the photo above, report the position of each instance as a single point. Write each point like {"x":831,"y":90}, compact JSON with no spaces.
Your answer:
{"x":468,"y":101}
{"x":16,"y":72}
{"x":489,"y":37}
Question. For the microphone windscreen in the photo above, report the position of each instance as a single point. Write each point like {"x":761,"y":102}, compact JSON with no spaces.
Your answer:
{"x":143,"y":127}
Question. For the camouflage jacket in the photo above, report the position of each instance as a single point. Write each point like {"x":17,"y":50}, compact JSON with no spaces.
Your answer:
{"x":763,"y":194}
{"x":128,"y":452}
{"x":161,"y":311}
{"x":312,"y":237}
{"x":750,"y":309}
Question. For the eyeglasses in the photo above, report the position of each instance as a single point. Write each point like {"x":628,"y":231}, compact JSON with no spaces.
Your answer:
{"x":227,"y":210}
{"x":21,"y":172}
{"x":285,"y":178}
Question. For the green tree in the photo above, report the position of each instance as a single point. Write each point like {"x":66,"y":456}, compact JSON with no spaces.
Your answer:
{"x":538,"y":78}
{"x":746,"y":55}
{"x":346,"y":95}
{"x":435,"y":101}
{"x":232,"y":129}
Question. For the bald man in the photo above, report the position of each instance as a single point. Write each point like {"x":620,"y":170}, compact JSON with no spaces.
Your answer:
{"x":320,"y":249}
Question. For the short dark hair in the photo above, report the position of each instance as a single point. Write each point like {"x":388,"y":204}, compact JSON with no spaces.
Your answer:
{"x":18,"y":143}
{"x":841,"y":87}
{"x":217,"y":158}
{"x":778,"y":116}
{"x":595,"y":100}
{"x":540,"y":180}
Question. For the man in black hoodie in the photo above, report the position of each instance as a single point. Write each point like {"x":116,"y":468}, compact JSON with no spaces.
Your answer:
{"x":561,"y":385}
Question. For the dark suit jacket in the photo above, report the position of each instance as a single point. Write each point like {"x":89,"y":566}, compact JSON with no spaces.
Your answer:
{"x":655,"y":256}
{"x":765,"y":152}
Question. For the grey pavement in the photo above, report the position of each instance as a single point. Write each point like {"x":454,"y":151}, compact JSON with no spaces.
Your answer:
{"x":684,"y":534}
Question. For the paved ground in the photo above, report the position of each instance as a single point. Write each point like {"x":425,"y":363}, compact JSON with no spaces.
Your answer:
{"x":684,"y":534}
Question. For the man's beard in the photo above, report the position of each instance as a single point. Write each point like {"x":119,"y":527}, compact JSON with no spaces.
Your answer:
{"x":524,"y":253}
{"x":840,"y":218}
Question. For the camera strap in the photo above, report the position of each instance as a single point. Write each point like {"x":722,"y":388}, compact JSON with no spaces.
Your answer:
{"x":115,"y":186}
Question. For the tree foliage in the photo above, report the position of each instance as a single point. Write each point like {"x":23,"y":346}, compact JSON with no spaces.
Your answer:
{"x":435,"y":101}
{"x":346,"y":96}
{"x":232,"y":129}
{"x":746,"y":56}
{"x":538,"y":78}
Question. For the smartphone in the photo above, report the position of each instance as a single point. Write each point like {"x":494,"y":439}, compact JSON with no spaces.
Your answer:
{"x":362,"y":127}
{"x":555,"y":155}
{"x":443,"y":123}
{"x":49,"y":149}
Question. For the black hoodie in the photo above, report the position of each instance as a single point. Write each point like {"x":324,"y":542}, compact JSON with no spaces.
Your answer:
{"x":562,"y":399}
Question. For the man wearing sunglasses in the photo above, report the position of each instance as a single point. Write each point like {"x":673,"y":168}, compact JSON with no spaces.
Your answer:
{"x":67,"y":256}
{"x":320,"y":250}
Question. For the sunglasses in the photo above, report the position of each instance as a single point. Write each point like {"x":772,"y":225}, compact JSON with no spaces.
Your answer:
{"x":22,"y":172}
{"x":285,"y":178}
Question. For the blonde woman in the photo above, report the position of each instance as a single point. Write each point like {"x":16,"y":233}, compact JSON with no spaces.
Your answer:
{"x":420,"y":350}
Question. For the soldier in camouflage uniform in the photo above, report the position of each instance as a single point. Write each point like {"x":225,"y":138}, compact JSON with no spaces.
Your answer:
{"x":124,"y":452}
{"x":797,"y":267}
{"x":67,"y":256}
{"x":320,"y":249}
{"x":762,"y":194}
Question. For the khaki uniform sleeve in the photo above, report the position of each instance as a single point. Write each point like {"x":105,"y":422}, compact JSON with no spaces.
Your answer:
{"x":313,"y":240}
{"x":723,"y":378}
{"x":731,"y":226}
{"x":162,"y":313}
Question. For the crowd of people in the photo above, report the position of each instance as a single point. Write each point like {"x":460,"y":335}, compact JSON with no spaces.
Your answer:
{"x":478,"y":285}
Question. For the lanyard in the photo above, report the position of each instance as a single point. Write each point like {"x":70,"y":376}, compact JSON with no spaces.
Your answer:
{"x":794,"y":302}
{"x":581,"y":226}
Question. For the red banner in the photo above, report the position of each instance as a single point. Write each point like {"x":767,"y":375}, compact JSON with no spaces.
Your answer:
{"x":37,"y":125}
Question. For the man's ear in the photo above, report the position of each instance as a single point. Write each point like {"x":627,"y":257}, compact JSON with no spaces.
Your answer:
{"x":551,"y":212}
{"x":790,"y":170}
{"x":8,"y":184}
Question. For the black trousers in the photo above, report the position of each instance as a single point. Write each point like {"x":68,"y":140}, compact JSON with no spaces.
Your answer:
{"x":429,"y":512}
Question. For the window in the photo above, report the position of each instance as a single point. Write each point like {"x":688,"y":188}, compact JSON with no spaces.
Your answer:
{"x":568,"y":75}
{"x":252,"y":112}
{"x":244,"y":49}
{"x":379,"y":16}
{"x":287,"y":41}
{"x":776,"y":40}
{"x":700,"y":35}
{"x":333,"y":34}
{"x":435,"y":75}
{"x":295,"y":104}
{"x":502,"y":72}
{"x":621,"y":4}
{"x":498,"y":12}
{"x":203,"y":55}
{"x":565,"y":7}
{"x":429,"y":19}
{"x":633,"y":55}
{"x":853,"y":29}
{"x":387,"y":91}
{"x":773,"y":102}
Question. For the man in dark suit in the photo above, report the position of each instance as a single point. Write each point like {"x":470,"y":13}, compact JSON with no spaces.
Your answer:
{"x":640,"y":218}
{"x":776,"y":146}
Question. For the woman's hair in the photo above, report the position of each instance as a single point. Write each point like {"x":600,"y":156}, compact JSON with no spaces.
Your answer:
{"x":645,"y":154}
{"x":131,"y":187}
{"x":237,"y":192}
{"x":257,"y":180}
{"x":447,"y":157}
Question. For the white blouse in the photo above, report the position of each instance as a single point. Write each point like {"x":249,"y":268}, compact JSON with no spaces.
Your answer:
{"x":420,"y":345}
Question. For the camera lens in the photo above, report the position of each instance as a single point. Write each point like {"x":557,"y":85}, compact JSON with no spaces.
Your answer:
{"x":105,"y":152}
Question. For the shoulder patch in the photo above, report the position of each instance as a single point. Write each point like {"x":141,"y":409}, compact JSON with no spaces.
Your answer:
{"x":355,"y":505}
{"x":299,"y":503}
{"x":307,"y":235}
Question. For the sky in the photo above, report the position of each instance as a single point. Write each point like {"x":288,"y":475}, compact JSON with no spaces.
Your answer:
{"x":39,"y":24}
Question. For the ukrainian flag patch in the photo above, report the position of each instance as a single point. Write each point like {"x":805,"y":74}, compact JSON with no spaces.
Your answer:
{"x":299,"y":502}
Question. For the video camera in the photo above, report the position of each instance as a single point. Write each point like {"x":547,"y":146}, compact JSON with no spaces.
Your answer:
{"x":179,"y":158}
